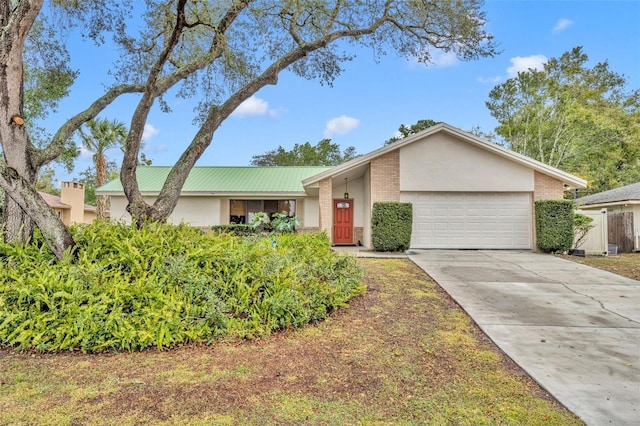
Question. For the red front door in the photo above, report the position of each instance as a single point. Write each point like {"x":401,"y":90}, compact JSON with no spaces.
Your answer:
{"x":343,"y":221}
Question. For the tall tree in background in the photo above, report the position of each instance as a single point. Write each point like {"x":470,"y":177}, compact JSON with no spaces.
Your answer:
{"x":99,"y":136}
{"x":222,"y":52}
{"x":324,"y":153}
{"x":404,"y":131}
{"x":46,"y":181}
{"x":578,"y":118}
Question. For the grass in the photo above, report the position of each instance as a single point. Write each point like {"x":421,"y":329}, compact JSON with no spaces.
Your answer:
{"x":404,"y":353}
{"x":625,"y":264}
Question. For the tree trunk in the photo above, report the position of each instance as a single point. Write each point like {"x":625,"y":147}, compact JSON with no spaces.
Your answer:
{"x":101,"y":179}
{"x":102,"y":205}
{"x":25,"y":196}
{"x":24,"y":208}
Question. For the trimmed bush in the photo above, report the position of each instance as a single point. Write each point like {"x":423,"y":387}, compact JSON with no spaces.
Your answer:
{"x":391,"y":225}
{"x":554,"y":225}
{"x":163,"y":285}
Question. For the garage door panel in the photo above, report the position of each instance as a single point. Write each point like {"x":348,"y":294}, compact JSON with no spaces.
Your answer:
{"x":471,"y":220}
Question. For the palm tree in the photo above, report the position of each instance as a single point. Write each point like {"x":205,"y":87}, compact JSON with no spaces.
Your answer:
{"x":102,"y":135}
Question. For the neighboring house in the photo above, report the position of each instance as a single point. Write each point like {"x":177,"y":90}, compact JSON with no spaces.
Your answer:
{"x":622,"y":207}
{"x":69,"y":205}
{"x":466,"y":192}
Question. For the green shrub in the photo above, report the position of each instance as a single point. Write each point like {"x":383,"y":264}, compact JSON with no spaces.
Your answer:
{"x":391,"y":226}
{"x":163,"y":285}
{"x":554,"y":225}
{"x":237,"y":229}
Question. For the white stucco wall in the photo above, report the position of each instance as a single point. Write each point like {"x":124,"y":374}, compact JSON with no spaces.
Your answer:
{"x":309,"y":214}
{"x":118,"y":209}
{"x":443,"y":163}
{"x":195,"y":211}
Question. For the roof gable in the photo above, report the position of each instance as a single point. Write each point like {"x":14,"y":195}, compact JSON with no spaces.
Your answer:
{"x":223,"y":179}
{"x":460,"y":135}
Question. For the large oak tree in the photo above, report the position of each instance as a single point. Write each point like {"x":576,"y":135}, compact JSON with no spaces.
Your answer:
{"x":220,"y":52}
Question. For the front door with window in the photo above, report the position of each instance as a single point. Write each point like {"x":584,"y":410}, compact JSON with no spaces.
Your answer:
{"x":343,"y":221}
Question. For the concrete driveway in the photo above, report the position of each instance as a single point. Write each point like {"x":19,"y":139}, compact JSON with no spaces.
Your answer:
{"x":574,"y":329}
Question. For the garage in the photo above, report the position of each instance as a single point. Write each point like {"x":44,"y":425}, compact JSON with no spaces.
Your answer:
{"x":471,"y":220}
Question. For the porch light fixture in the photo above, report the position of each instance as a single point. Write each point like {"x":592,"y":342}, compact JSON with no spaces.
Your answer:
{"x":346,"y":193}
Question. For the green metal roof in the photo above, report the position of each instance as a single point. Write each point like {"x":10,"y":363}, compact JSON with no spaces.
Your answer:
{"x":224,"y":179}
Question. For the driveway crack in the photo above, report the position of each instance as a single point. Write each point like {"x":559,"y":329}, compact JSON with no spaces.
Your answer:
{"x":565,"y":285}
{"x":599,"y":302}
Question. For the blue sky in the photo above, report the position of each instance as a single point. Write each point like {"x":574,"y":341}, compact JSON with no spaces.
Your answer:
{"x":370,"y":100}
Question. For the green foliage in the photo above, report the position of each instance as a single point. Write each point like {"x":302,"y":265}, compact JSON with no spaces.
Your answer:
{"x":391,"y":225}
{"x":580,"y":119}
{"x":283,"y":224}
{"x":260,"y":220}
{"x":581,"y":227}
{"x":554,"y":225}
{"x":163,"y":285}
{"x":237,"y":229}
{"x":324,"y":153}
{"x":404,"y":131}
{"x":46,"y":181}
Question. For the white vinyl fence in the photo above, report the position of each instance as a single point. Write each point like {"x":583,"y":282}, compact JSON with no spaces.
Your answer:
{"x":596,"y":241}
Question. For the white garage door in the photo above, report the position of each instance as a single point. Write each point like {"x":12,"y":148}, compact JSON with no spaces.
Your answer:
{"x":470,"y":220}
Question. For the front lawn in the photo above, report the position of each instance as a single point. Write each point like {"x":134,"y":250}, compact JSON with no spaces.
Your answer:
{"x":625,"y":264}
{"x":402,"y":353}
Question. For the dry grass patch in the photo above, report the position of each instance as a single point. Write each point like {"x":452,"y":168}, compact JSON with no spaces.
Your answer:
{"x":625,"y":264}
{"x":404,"y":353}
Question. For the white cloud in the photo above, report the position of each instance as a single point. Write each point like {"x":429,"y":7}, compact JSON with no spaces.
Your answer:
{"x":492,"y":80}
{"x":438,"y":58}
{"x":85,"y":153}
{"x":562,"y":25}
{"x":444,"y":59}
{"x":276,"y":113}
{"x":522,"y":64}
{"x":340,"y":126}
{"x":252,"y":106}
{"x":149,"y":132}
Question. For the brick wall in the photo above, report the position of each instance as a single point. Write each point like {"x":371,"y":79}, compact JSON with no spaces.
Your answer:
{"x":546,"y":187}
{"x":358,"y":234}
{"x":307,"y":229}
{"x":325,"y":199}
{"x":385,"y":177}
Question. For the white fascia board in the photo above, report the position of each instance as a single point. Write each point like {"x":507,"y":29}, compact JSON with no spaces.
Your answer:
{"x":608,"y":204}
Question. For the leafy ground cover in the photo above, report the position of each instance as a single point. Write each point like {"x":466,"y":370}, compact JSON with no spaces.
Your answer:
{"x":625,"y":264}
{"x":402,"y":353}
{"x":163,"y":285}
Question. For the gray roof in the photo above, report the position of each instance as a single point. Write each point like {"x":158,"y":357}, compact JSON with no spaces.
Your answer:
{"x":624,"y":193}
